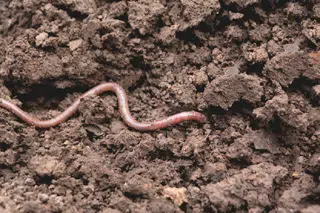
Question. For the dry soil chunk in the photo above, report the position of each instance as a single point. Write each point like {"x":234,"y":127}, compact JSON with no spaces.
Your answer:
{"x":227,"y":89}
{"x":82,"y":6}
{"x":241,"y":4}
{"x":177,"y":195}
{"x":311,"y":29}
{"x":299,"y":191}
{"x":6,"y":205}
{"x":28,"y":64}
{"x":255,"y":54}
{"x":235,"y":33}
{"x":279,"y":105}
{"x":144,"y":14}
{"x":138,"y":186}
{"x":109,"y":210}
{"x":254,"y":187}
{"x":8,"y":138}
{"x":260,"y":33}
{"x":260,"y":140}
{"x":196,"y":11}
{"x":295,"y":10}
{"x":46,"y":165}
{"x":314,"y":164}
{"x":286,"y":67}
{"x":167,"y":34}
{"x":316,"y":11}
{"x":311,"y":209}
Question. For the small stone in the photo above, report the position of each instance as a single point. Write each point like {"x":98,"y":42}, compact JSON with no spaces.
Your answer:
{"x":316,"y":90}
{"x":138,"y":186}
{"x":201,"y":77}
{"x":75,"y":44}
{"x":43,"y":197}
{"x":235,"y":16}
{"x":41,"y":38}
{"x":30,"y":182}
{"x":177,"y":195}
{"x":66,"y":143}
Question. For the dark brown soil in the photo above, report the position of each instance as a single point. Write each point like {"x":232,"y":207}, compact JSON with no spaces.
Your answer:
{"x":252,"y":67}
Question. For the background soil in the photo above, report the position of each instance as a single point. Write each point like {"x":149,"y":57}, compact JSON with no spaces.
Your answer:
{"x":251,"y":66}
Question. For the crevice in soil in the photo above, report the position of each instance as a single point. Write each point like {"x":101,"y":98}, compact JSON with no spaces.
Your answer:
{"x":242,"y":106}
{"x":189,"y":37}
{"x":161,"y":154}
{"x":138,"y":83}
{"x":138,"y":62}
{"x":241,"y":163}
{"x":124,"y":18}
{"x":73,"y":14}
{"x":46,"y":179}
{"x":255,"y":69}
{"x":4,"y":147}
{"x":304,"y":85}
{"x":46,"y":93}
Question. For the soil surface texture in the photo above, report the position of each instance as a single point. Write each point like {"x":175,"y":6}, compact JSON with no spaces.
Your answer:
{"x":251,"y":66}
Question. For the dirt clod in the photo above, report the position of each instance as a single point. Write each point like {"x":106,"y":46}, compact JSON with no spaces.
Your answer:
{"x":287,"y":67}
{"x":227,"y":89}
{"x":246,"y":188}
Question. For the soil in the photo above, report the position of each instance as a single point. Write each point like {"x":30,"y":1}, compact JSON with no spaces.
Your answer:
{"x":252,"y":67}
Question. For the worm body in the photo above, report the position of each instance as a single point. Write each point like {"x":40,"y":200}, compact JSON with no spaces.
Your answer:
{"x":123,"y":108}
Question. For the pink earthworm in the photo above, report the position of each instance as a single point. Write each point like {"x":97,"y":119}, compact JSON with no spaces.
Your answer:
{"x":123,"y":108}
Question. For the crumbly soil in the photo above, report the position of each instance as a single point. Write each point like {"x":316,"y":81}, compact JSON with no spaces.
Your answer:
{"x":252,"y":67}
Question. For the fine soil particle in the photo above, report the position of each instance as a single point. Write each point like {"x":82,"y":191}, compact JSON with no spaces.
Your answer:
{"x":252,"y":67}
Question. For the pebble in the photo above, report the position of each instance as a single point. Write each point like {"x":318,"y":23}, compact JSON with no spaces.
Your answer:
{"x":29,"y":182}
{"x":43,"y":197}
{"x":73,"y":45}
{"x":41,"y":38}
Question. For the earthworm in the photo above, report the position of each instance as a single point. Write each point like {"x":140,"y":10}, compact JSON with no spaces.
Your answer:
{"x":123,"y":108}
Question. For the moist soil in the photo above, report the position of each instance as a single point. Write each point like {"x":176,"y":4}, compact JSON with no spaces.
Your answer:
{"x":252,"y":67}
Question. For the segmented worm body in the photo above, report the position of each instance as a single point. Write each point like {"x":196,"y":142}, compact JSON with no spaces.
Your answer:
{"x":123,"y":108}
